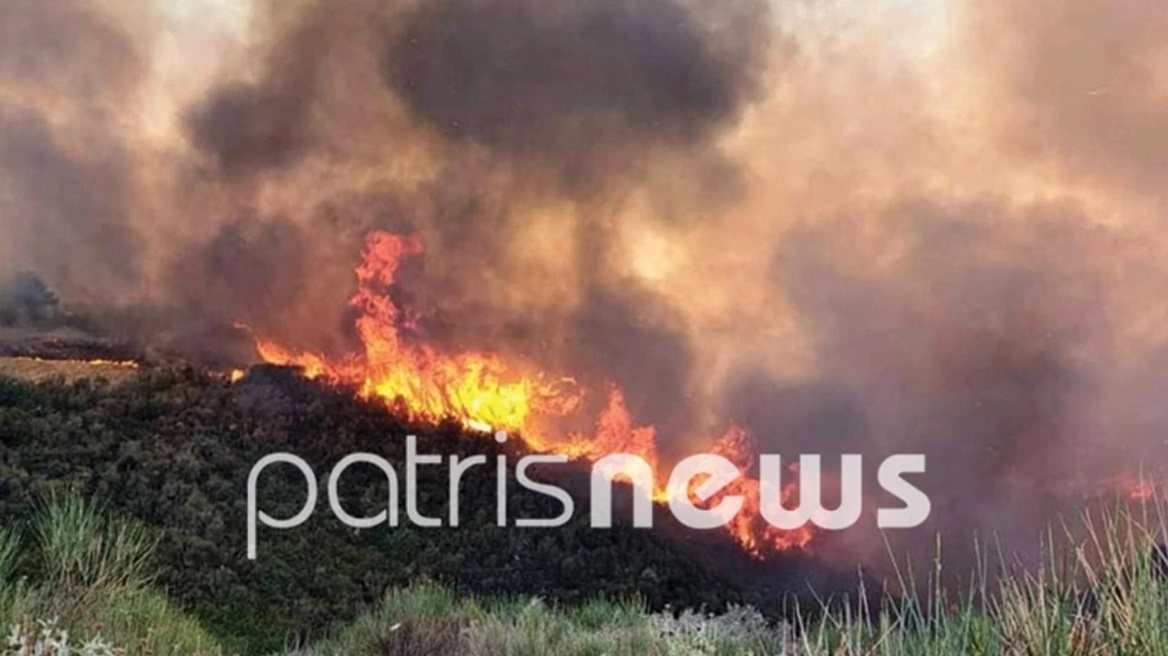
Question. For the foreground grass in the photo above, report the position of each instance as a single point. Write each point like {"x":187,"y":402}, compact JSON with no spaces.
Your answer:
{"x":1103,"y":592}
{"x":77,"y":582}
{"x":426,"y":619}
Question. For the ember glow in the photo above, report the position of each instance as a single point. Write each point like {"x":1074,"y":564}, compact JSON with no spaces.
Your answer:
{"x":97,"y":362}
{"x":122,"y":364}
{"x":485,"y":393}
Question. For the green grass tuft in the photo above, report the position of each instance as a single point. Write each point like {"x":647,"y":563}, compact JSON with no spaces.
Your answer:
{"x":86,"y":576}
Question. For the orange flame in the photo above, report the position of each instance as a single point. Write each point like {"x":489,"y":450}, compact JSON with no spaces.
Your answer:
{"x":1138,"y":488}
{"x":123,"y":364}
{"x":753,"y":532}
{"x":484,"y":392}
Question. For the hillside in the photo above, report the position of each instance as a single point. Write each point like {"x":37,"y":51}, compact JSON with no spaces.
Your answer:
{"x":173,"y":448}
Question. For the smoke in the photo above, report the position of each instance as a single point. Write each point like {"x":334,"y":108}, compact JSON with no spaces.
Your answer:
{"x":65,"y":176}
{"x":258,"y":125}
{"x":1081,"y":85}
{"x":55,"y":203}
{"x":978,"y":345}
{"x":495,"y":129}
{"x":557,"y":83}
{"x":849,"y":227}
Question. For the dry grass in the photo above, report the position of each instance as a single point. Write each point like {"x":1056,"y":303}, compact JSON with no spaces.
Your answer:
{"x":36,"y":369}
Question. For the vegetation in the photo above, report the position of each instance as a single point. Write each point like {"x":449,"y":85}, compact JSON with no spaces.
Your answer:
{"x":425,"y":619}
{"x":161,"y":569}
{"x":1108,"y":596}
{"x":36,"y":369}
{"x":73,"y":581}
{"x":173,"y":450}
{"x":1104,"y":591}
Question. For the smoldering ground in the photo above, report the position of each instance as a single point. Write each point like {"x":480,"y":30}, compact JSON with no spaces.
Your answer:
{"x":874,"y":227}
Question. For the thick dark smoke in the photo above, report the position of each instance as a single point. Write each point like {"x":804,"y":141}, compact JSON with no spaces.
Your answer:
{"x":246,"y":127}
{"x":556,"y":81}
{"x":642,"y":343}
{"x":254,"y":126}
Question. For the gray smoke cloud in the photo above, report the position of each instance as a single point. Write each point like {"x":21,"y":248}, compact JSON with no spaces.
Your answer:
{"x":65,"y":180}
{"x":558,"y":82}
{"x":57,"y":204}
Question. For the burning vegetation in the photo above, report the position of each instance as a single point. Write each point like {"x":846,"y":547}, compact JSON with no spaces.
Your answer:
{"x":486,"y":394}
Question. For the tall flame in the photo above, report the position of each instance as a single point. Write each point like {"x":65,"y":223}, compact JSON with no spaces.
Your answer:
{"x":485,"y":393}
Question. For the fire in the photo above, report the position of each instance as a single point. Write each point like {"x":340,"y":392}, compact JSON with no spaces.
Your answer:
{"x":1142,"y":491}
{"x":121,"y":364}
{"x":1138,"y":488}
{"x":486,"y":393}
{"x":754,"y":533}
{"x":1134,"y":488}
{"x":99,"y":362}
{"x":479,"y":390}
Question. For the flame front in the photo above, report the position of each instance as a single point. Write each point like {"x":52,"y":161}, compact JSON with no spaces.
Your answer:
{"x":485,"y":393}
